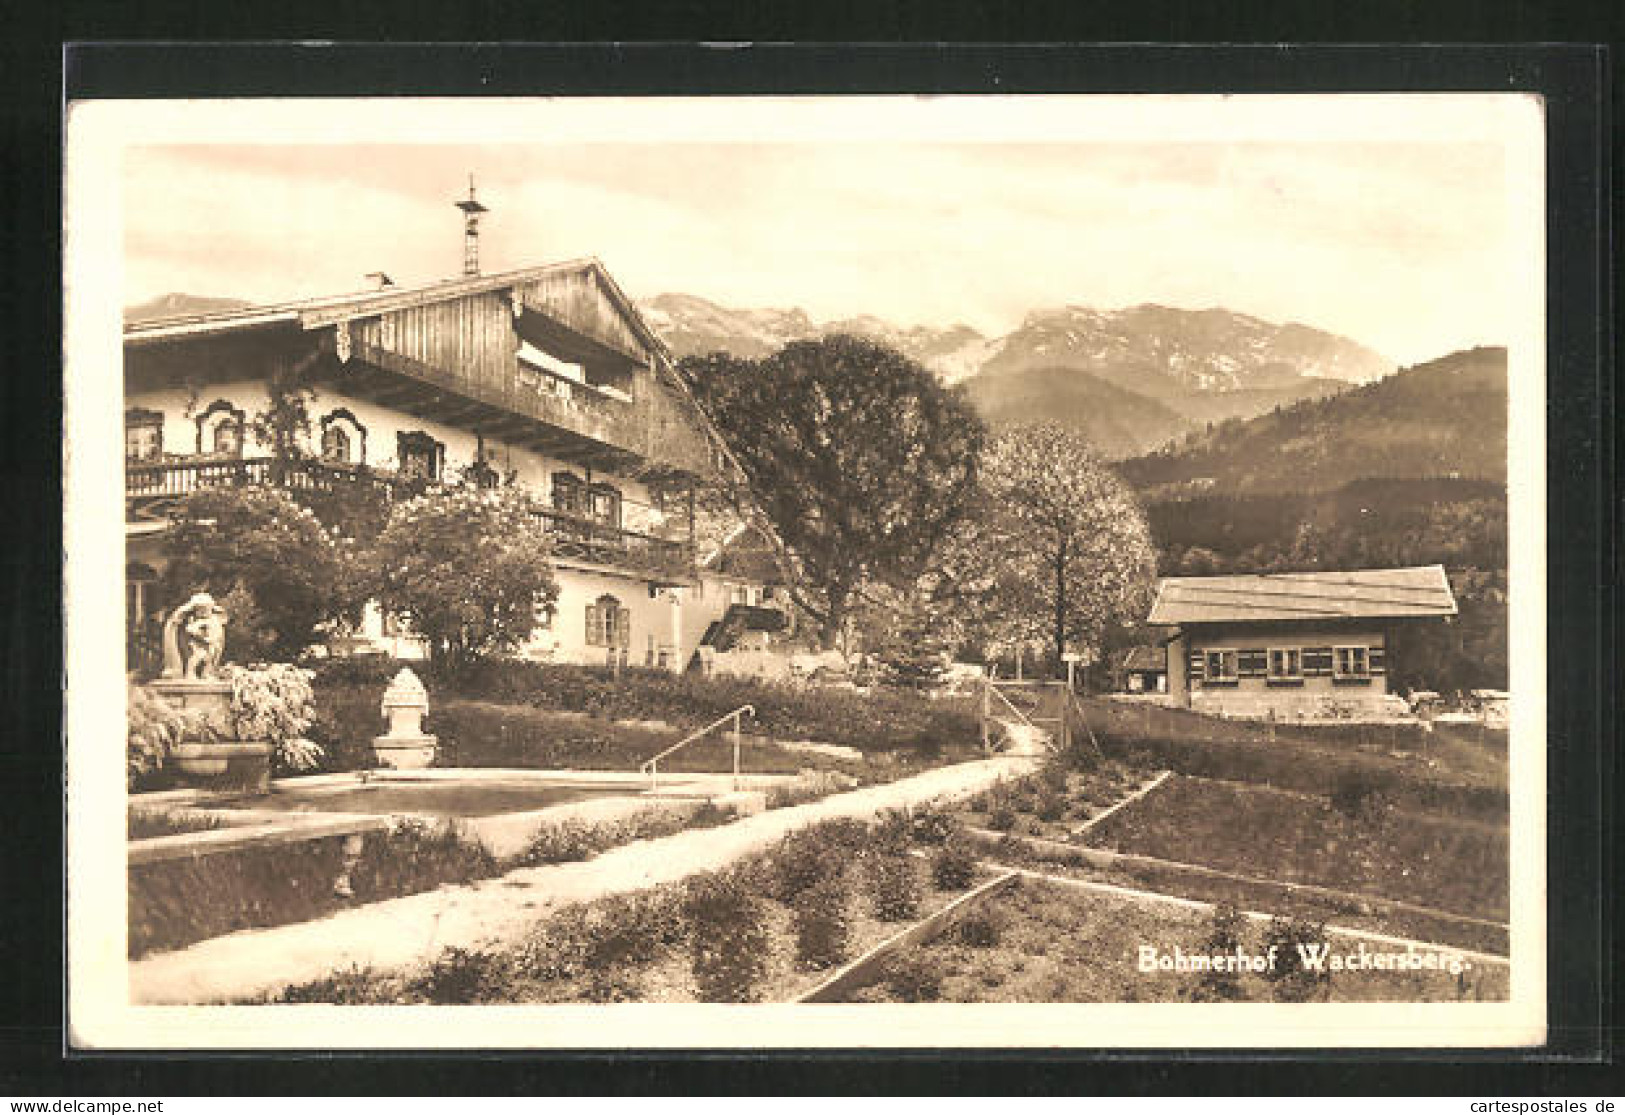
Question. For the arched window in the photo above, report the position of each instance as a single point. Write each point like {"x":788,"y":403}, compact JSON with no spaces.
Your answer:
{"x":143,"y":434}
{"x":608,"y":624}
{"x":336,"y":445}
{"x":220,"y":429}
{"x":344,"y":440}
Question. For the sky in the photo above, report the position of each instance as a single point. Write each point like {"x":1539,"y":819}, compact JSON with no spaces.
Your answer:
{"x":1402,"y":246}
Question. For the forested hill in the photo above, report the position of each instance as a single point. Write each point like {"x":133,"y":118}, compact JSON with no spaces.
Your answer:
{"x":1446,"y":418}
{"x":1116,"y":421}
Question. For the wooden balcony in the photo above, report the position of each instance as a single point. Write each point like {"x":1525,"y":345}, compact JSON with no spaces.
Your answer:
{"x":152,"y":489}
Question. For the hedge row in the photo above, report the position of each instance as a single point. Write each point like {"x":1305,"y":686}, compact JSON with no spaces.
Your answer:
{"x":875,"y":720}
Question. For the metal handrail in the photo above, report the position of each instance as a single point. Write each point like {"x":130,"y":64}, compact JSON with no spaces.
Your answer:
{"x":651,"y":767}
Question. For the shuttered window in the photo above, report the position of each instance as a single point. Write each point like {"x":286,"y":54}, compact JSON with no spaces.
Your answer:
{"x":608,"y":624}
{"x":1317,"y":661}
{"x":1285,"y":663}
{"x":1350,"y":662}
{"x":1252,"y":663}
{"x":1196,"y":662}
{"x":1221,"y":666}
{"x":1377,"y":660}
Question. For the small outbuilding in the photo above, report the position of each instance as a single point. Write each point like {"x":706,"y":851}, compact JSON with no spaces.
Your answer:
{"x":1145,"y":670}
{"x":1292,"y":645}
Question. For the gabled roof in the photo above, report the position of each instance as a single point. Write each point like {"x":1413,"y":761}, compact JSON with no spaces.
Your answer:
{"x":1271,"y":597}
{"x":313,"y":313}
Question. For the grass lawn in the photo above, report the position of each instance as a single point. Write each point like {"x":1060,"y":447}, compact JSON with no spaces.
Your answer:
{"x":1459,"y":770}
{"x":1054,"y":944}
{"x":1374,"y":848}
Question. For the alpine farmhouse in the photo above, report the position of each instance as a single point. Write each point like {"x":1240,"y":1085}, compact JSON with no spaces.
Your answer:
{"x":546,"y":377}
{"x":1292,"y":645}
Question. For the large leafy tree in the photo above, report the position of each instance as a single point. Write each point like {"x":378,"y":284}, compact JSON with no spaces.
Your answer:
{"x":280,"y":574}
{"x":1057,"y":556}
{"x":859,"y":460}
{"x":466,"y":568}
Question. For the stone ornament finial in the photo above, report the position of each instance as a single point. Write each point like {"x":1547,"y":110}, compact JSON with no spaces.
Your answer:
{"x":195,"y":639}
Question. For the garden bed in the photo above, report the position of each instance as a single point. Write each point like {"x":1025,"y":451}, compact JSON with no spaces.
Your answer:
{"x":768,"y":929}
{"x":1049,"y":943}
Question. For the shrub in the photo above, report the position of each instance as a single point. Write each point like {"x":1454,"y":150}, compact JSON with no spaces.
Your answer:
{"x":727,"y":936}
{"x":810,"y":855}
{"x":893,"y":833}
{"x":823,"y":922}
{"x":574,"y":839}
{"x":275,"y":704}
{"x":1001,"y":817}
{"x":418,"y":855}
{"x":879,"y":720}
{"x":980,"y":929}
{"x":1295,"y":981}
{"x":257,"y":540}
{"x":1224,"y":937}
{"x":153,"y":728}
{"x":355,"y":986}
{"x":933,"y":826}
{"x":912,"y":978}
{"x":1049,"y":806}
{"x":460,"y":976}
{"x":954,"y":865}
{"x":894,"y":888}
{"x":1355,"y":793}
{"x":467,"y":568}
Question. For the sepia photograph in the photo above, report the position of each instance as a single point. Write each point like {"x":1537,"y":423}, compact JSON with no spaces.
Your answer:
{"x":1046,"y":571}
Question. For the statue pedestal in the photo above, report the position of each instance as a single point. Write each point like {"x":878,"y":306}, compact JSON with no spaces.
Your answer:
{"x":227,"y":765}
{"x":404,"y":752}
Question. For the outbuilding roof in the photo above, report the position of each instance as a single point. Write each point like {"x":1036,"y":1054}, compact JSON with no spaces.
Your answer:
{"x":1421,"y":591}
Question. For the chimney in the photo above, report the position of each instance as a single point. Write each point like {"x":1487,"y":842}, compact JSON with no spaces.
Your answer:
{"x":471,"y":230}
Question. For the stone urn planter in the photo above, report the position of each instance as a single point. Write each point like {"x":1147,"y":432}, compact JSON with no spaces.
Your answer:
{"x":405,"y":746}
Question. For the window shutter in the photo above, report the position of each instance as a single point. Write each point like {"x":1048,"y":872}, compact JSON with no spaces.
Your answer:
{"x":594,"y":627}
{"x":1377,"y":660}
{"x":623,"y":623}
{"x":1198,"y":665}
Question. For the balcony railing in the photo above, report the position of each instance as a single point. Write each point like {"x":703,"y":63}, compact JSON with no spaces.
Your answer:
{"x":158,"y":483}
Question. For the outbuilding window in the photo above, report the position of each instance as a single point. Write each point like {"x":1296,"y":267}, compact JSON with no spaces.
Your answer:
{"x":1317,"y":661}
{"x":1350,"y":663}
{"x":1286,"y":666}
{"x":1219,"y":667}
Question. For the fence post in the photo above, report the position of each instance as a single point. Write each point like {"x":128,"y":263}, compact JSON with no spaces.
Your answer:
{"x":987,"y":699}
{"x":736,"y":750}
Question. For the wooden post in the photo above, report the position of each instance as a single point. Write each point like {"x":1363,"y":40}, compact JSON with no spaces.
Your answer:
{"x":987,"y":701}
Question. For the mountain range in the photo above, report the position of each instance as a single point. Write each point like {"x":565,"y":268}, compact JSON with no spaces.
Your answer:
{"x":1129,"y":380}
{"x":1445,"y":419}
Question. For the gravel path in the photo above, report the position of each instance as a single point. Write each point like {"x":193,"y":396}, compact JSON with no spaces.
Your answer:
{"x":497,"y":912}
